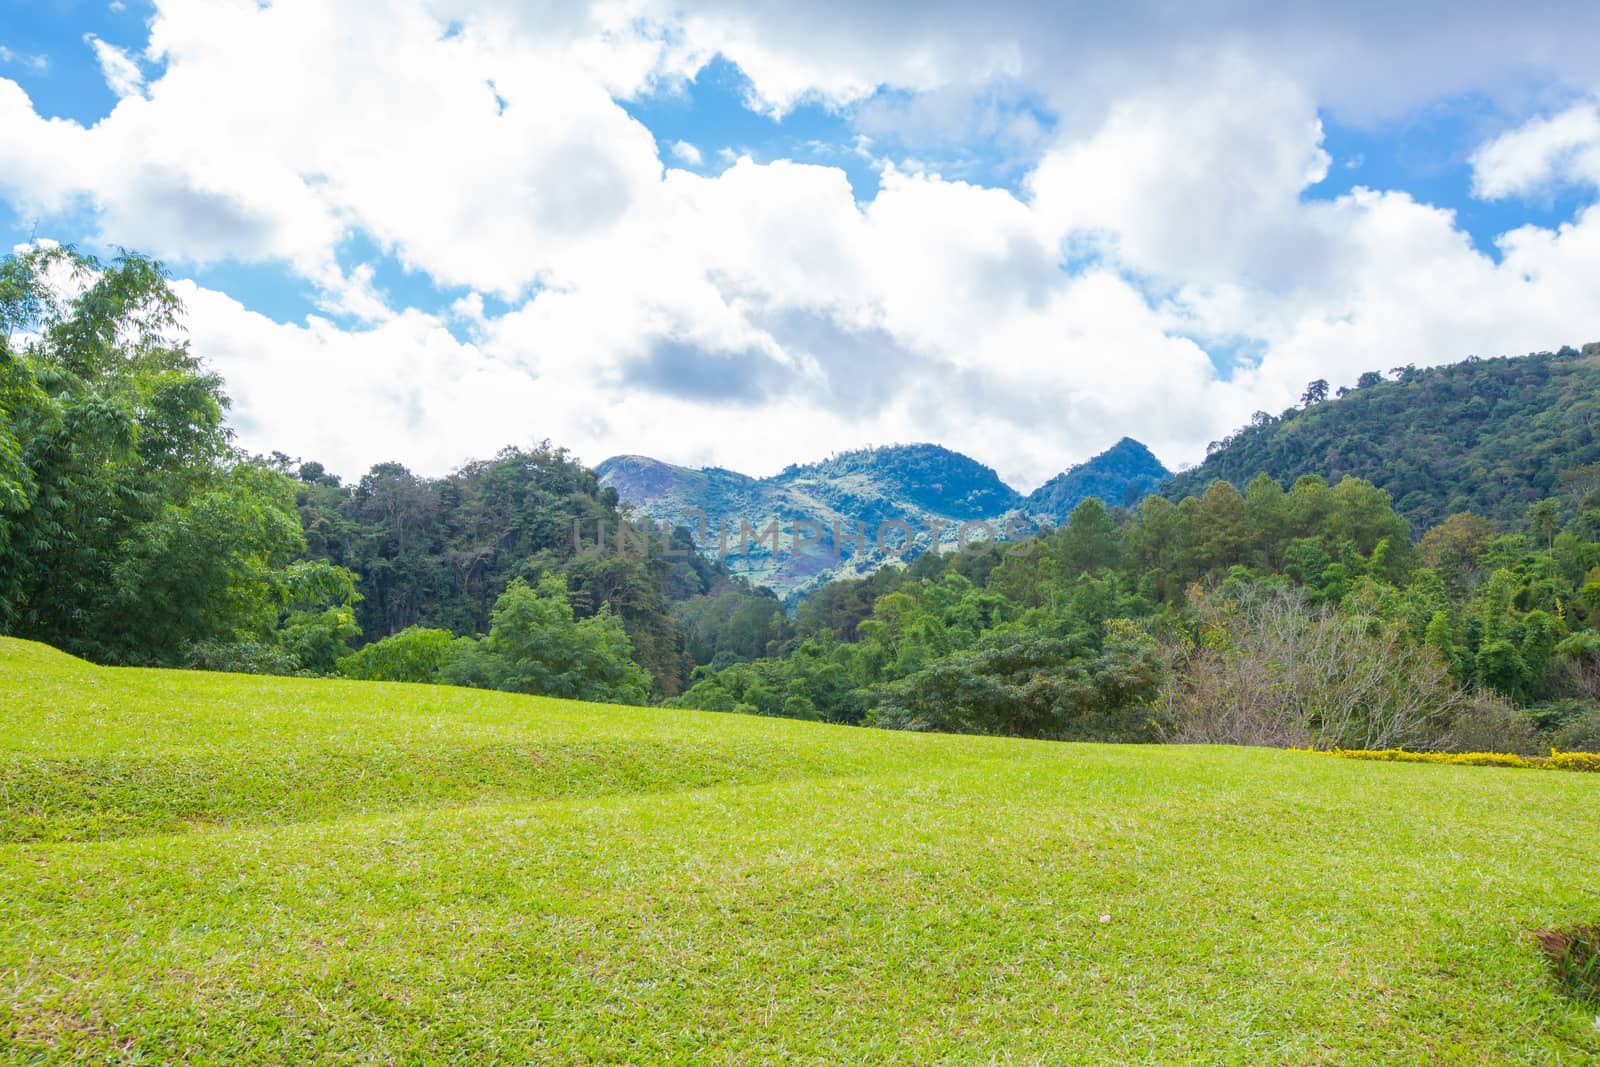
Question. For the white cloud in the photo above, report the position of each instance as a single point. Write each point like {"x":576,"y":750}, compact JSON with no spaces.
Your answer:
{"x":1544,"y":152}
{"x":36,"y":63}
{"x":443,"y":148}
{"x":1364,"y":59}
{"x":1239,"y":141}
{"x":405,"y":389}
{"x":120,"y":70}
{"x":764,"y":314}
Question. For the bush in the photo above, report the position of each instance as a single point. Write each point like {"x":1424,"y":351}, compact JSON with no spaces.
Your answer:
{"x":542,"y":648}
{"x":1588,"y":762}
{"x":1270,"y":668}
{"x":1485,"y":723}
{"x":241,"y":657}
{"x":414,"y":654}
{"x":1581,"y":734}
{"x":1023,"y":684}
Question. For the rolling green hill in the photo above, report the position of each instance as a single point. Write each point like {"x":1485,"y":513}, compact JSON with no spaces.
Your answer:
{"x":1122,"y":475}
{"x":921,"y":485}
{"x":1486,"y":435}
{"x":219,"y":868}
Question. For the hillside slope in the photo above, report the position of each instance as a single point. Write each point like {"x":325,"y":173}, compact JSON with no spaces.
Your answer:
{"x":1488,"y":436}
{"x":292,"y":871}
{"x":922,"y":485}
{"x":1122,"y":475}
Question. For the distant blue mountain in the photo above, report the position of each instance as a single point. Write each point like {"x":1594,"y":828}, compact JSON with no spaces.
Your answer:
{"x":917,"y":484}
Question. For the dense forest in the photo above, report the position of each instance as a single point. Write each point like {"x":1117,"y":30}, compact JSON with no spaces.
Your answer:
{"x":1312,"y":611}
{"x":1305,"y":615}
{"x":132,"y":531}
{"x":1490,"y":436}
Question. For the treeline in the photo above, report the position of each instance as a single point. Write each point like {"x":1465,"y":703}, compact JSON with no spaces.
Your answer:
{"x":1489,"y":436}
{"x":132,"y":531}
{"x":1305,"y":615}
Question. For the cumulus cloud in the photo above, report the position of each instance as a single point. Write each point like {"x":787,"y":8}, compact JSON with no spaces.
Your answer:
{"x":405,"y":389}
{"x":1563,"y":148}
{"x":444,"y":148}
{"x":120,"y":70}
{"x":1365,"y":59}
{"x":1169,"y":210}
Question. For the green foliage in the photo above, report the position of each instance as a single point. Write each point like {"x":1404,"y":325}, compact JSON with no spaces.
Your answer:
{"x":733,"y":625}
{"x":928,"y":476}
{"x":1024,"y":684}
{"x":536,"y":645}
{"x":1581,"y":733}
{"x":248,"y":656}
{"x":128,"y":531}
{"x":1490,"y":436}
{"x":1416,"y":646}
{"x":1123,"y":475}
{"x":1090,"y":542}
{"x":437,"y":553}
{"x":131,"y":532}
{"x":415,"y":654}
{"x":216,"y":567}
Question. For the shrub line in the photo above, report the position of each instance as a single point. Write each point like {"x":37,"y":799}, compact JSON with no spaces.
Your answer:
{"x":1556,"y":761}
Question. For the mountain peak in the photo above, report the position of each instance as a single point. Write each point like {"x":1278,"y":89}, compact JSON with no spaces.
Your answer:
{"x":922,"y":475}
{"x":1123,"y":474}
{"x":865,"y":487}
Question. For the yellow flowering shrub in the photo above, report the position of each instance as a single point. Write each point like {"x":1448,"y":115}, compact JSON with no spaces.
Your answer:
{"x":1556,"y":761}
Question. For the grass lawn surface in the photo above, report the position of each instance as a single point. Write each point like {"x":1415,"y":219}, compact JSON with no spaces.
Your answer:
{"x":208,"y":868}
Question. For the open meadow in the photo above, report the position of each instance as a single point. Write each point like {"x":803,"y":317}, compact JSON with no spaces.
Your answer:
{"x":214,"y":868}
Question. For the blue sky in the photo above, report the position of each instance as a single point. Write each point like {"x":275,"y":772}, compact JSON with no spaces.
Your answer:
{"x":753,"y":235}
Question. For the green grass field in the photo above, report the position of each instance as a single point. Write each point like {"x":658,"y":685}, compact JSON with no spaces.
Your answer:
{"x":211,"y":868}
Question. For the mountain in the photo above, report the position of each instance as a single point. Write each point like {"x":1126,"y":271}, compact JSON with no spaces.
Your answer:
{"x":924,"y":486}
{"x":924,"y":477}
{"x":1485,"y":435}
{"x":1123,"y":474}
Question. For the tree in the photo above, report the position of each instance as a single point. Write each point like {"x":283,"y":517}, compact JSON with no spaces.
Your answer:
{"x":319,"y":618}
{"x":1221,"y":527}
{"x":1022,"y":684}
{"x":1271,"y":668}
{"x":1090,"y":540}
{"x":129,"y":530}
{"x":1454,"y":547}
{"x":214,"y":569}
{"x":535,"y":645}
{"x":1544,"y":519}
{"x":1484,"y":437}
{"x":1316,"y":392}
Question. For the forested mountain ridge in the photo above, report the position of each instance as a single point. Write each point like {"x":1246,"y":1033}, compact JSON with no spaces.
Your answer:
{"x":919,"y":484}
{"x":1485,"y":435}
{"x":1122,"y":475}
{"x":725,"y":512}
